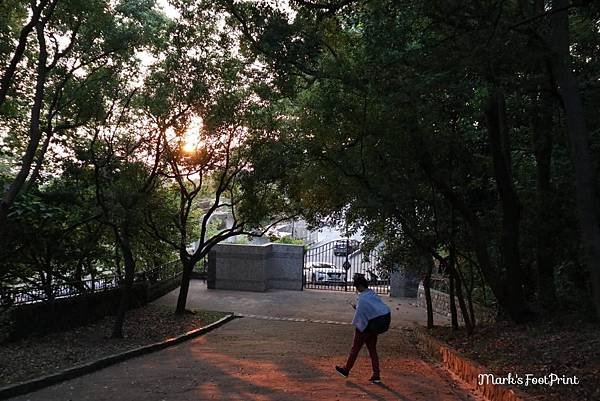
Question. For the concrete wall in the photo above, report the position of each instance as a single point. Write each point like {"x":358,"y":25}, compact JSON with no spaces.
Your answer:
{"x":255,"y":268}
{"x":403,"y":285}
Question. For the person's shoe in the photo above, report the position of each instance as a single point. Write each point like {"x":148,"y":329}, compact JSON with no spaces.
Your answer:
{"x":342,"y":371}
{"x":375,"y":379}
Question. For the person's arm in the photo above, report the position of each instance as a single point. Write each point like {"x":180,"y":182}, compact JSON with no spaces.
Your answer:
{"x":360,"y":319}
{"x":356,"y":302}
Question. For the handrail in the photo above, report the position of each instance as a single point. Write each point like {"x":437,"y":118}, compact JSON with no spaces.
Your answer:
{"x":32,"y":294}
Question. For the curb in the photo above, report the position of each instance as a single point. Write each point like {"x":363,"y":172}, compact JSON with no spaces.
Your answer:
{"x":466,"y":370}
{"x":80,"y":370}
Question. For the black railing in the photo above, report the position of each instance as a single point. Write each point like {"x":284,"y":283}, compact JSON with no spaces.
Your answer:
{"x":331,"y":266}
{"x":30,"y":294}
{"x":160,"y":273}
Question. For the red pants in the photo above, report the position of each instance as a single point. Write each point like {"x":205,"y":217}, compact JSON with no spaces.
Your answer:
{"x":364,"y":338}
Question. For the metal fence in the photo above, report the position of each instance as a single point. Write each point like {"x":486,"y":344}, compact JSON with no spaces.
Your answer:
{"x":332,"y":265}
{"x":30,"y":293}
{"x":160,"y":273}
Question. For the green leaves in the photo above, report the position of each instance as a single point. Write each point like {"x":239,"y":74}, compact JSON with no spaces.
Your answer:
{"x":378,"y":113}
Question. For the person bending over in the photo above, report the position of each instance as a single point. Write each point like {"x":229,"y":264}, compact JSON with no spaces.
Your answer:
{"x":372,"y":317}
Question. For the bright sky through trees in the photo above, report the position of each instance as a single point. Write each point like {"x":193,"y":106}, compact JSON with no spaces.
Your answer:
{"x":192,"y":136}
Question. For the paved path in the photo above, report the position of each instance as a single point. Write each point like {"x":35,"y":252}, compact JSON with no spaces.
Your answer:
{"x":283,"y":350}
{"x":308,"y":304}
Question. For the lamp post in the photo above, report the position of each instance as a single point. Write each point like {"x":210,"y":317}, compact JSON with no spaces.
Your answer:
{"x":346,"y":267}
{"x":346,"y":264}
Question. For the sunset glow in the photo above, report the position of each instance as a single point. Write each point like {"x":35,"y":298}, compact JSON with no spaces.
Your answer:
{"x":190,"y":141}
{"x":189,"y":147}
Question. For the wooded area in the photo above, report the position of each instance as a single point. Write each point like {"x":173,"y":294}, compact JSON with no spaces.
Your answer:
{"x":463,"y":136}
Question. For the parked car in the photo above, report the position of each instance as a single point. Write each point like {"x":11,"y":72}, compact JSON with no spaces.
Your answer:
{"x":345,"y":247}
{"x":324,"y":273}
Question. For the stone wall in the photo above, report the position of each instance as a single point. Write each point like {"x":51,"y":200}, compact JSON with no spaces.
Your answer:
{"x":403,"y":284}
{"x":255,"y":268}
{"x":441,"y":304}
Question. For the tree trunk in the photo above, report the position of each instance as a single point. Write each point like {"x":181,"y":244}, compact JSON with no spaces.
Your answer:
{"x":469,"y":293}
{"x":7,"y":76}
{"x":427,"y":289}
{"x":452,"y":299}
{"x":462,"y":304}
{"x":579,"y":136}
{"x":34,"y":129}
{"x":471,"y":310}
{"x":478,"y":241}
{"x":78,"y":277}
{"x":127,"y":285}
{"x":511,"y":209}
{"x":453,"y":267}
{"x":118,"y":260}
{"x":186,"y":275}
{"x":46,"y":278}
{"x":92,"y":274}
{"x":37,"y":168}
{"x":544,"y":226}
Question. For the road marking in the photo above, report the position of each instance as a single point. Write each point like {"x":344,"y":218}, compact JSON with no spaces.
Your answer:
{"x":291,"y":319}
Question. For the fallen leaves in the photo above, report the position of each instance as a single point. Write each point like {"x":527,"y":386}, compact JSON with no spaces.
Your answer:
{"x":43,"y":355}
{"x":539,"y":349}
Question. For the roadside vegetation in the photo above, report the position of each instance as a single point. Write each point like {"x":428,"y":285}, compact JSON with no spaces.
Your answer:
{"x":464,"y":138}
{"x":124,"y":129}
{"x":38,"y":356}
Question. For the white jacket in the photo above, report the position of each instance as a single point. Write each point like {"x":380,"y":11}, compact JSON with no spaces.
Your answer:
{"x":369,"y":306}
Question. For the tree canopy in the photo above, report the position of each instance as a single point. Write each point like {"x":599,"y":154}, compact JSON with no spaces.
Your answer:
{"x":458,"y":135}
{"x":445,"y":126}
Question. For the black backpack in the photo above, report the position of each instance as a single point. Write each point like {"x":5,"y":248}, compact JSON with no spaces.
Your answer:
{"x":379,"y":324}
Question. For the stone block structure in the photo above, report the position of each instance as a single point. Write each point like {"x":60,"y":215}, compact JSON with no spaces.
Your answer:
{"x":403,"y":285}
{"x":255,"y":268}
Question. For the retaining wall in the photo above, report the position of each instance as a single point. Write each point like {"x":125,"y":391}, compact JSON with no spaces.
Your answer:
{"x":467,"y":370}
{"x":441,"y":304}
{"x":255,"y":267}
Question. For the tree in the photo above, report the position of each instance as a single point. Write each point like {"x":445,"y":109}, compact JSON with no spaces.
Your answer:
{"x":84,"y":103}
{"x":126,"y":180}
{"x":398,"y":100}
{"x":583,"y":160}
{"x":202,"y":80}
{"x":78,"y":47}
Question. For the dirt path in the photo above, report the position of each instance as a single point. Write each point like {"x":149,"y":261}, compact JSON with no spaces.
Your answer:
{"x":260,"y":359}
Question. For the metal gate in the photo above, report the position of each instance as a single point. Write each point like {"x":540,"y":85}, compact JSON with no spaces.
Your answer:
{"x":332,"y":265}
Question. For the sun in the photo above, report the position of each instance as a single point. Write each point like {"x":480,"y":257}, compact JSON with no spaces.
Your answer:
{"x":189,"y":146}
{"x":191,"y":137}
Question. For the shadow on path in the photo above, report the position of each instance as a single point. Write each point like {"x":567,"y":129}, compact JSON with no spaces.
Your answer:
{"x":253,"y":359}
{"x":374,"y":396}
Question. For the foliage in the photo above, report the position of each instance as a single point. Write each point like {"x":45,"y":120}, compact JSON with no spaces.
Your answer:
{"x":72,"y":82}
{"x":447,"y":132}
{"x":438,"y":129}
{"x":289,"y":241}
